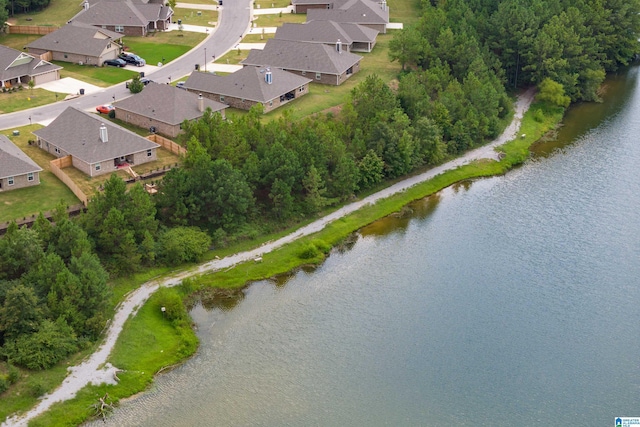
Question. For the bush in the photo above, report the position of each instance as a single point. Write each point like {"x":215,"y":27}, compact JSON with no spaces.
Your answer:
{"x":14,"y":374}
{"x":36,"y":388}
{"x":309,"y":251}
{"x":172,"y":303}
{"x":112,"y":114}
{"x":183,"y":244}
{"x":4,"y":384}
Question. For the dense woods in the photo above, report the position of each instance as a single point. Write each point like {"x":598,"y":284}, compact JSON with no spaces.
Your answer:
{"x":246,"y":176}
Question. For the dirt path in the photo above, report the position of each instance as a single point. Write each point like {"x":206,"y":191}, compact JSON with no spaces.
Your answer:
{"x":96,"y":370}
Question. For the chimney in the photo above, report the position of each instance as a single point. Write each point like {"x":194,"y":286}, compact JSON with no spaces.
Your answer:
{"x":200,"y":103}
{"x":339,"y":46}
{"x":85,"y":5}
{"x":268,"y":77}
{"x":383,"y":4}
{"x":103,"y":133}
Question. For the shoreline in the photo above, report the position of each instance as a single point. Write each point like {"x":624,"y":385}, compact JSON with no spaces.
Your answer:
{"x":90,"y":370}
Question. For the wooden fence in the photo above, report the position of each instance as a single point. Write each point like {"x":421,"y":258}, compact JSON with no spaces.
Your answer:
{"x":28,"y":221}
{"x":56,"y":168}
{"x":47,"y":56}
{"x":167,"y":144}
{"x":30,"y":29}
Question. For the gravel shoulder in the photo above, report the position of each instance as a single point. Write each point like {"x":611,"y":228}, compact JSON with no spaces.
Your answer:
{"x":96,"y":370}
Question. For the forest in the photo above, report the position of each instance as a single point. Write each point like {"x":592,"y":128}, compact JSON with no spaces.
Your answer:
{"x":461,"y":64}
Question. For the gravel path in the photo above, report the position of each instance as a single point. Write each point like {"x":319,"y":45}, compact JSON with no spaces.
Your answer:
{"x":96,"y":370}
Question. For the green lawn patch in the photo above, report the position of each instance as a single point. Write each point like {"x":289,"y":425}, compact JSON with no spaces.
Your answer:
{"x":270,"y":4}
{"x":277,"y":20}
{"x":99,"y":76}
{"x":257,"y":37}
{"x":203,"y":18}
{"x":26,"y":98}
{"x":166,"y":46}
{"x":56,"y":14}
{"x":25,"y":202}
{"x":17,"y":41}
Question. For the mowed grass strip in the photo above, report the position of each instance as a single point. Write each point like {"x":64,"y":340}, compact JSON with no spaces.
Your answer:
{"x":56,"y":14}
{"x":99,"y":76}
{"x":269,"y":4}
{"x":25,"y":202}
{"x":167,"y":45}
{"x":26,"y":98}
{"x":203,"y":18}
{"x":276,"y":20}
{"x":17,"y":41}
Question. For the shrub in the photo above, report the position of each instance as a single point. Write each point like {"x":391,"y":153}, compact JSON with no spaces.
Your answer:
{"x":4,"y":384}
{"x":14,"y":374}
{"x":112,"y":114}
{"x":309,"y":251}
{"x":183,"y":244}
{"x":36,"y":388}
{"x":172,"y":303}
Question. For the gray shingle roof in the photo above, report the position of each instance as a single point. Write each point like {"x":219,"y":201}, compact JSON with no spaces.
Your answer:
{"x":248,"y":83}
{"x":13,"y":161}
{"x":112,"y":12}
{"x":166,"y":104}
{"x":78,"y":133}
{"x":300,"y":56}
{"x":77,"y":38}
{"x":327,"y":32}
{"x":352,"y":11}
{"x":14,"y":63}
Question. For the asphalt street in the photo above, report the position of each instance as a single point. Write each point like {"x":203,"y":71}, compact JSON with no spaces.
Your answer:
{"x":234,"y":21}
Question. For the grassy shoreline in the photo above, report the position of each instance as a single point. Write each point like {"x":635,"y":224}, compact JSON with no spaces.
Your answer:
{"x":149,"y":344}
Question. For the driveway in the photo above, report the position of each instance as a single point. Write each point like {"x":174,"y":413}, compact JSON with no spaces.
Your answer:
{"x":69,"y":85}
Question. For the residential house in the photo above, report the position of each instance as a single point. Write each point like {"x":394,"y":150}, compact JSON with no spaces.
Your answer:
{"x":364,"y":12}
{"x":79,"y":43}
{"x":19,"y":68}
{"x":17,"y":170}
{"x":354,"y":37}
{"x":322,"y":63}
{"x":248,"y":86}
{"x":96,"y":146}
{"x":125,"y":16}
{"x":163,"y":108}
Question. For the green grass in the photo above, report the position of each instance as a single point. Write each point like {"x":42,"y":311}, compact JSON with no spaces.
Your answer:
{"x":268,"y":4}
{"x":25,"y":202}
{"x":17,"y":41}
{"x":207,"y":2}
{"x":277,"y":20}
{"x":234,"y":56}
{"x":405,"y":11}
{"x":98,"y":76}
{"x":26,"y":98}
{"x":56,"y":14}
{"x":167,"y":45}
{"x":207,"y":18}
{"x":257,"y":38}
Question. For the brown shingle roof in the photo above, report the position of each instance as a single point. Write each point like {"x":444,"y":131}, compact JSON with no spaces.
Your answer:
{"x":248,"y":83}
{"x":300,"y":56}
{"x":78,"y":133}
{"x":352,"y":11}
{"x":77,"y":38}
{"x":166,"y":104}
{"x":13,"y":161}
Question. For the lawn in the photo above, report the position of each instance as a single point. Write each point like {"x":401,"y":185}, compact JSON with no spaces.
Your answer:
{"x":204,"y":18}
{"x":257,"y":37}
{"x":56,"y":14}
{"x":45,"y":197}
{"x":26,"y":98}
{"x":277,"y":20}
{"x":163,"y":46}
{"x":267,"y":4}
{"x":98,"y":76}
{"x":17,"y":41}
{"x":234,"y":56}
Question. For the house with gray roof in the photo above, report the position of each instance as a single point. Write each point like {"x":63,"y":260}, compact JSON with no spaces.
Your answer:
{"x":125,"y":16}
{"x":79,"y":43}
{"x":323,"y":64}
{"x":19,"y":68}
{"x":353,"y":37}
{"x":364,"y":12}
{"x":163,"y":108}
{"x":17,"y":170}
{"x":248,"y":86}
{"x":96,"y":146}
{"x":302,"y":6}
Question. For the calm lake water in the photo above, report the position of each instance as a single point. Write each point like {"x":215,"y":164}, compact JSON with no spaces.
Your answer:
{"x":507,"y":301}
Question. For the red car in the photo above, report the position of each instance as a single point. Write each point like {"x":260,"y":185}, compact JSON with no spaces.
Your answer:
{"x":104,"y":109}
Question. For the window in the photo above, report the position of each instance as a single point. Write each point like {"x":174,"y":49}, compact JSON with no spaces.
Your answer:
{"x":57,"y":150}
{"x":270,"y":103}
{"x":30,"y":176}
{"x":149,"y":153}
{"x":98,"y":166}
{"x":10,"y":180}
{"x":65,"y":55}
{"x":318,"y":76}
{"x":221,"y":98}
{"x":301,"y":89}
{"x":304,"y":73}
{"x":119,"y":29}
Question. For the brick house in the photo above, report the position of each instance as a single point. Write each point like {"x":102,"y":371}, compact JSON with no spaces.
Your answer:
{"x":96,"y":146}
{"x":125,"y":16}
{"x":79,"y":43}
{"x":19,"y":68}
{"x":248,"y":86}
{"x":364,"y":12}
{"x":17,"y":170}
{"x":163,"y":108}
{"x":354,"y":37}
{"x":322,"y":63}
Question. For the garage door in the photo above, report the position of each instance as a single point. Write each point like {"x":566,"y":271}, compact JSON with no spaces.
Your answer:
{"x":47,"y":77}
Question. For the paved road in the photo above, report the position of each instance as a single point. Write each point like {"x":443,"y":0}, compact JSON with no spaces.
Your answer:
{"x":92,"y":370}
{"x":233,"y":22}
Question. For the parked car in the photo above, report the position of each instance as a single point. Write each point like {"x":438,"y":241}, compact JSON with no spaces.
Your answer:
{"x":180,"y":85}
{"x":145,"y":81}
{"x":115,"y":62}
{"x":104,"y":109}
{"x":133,"y":59}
